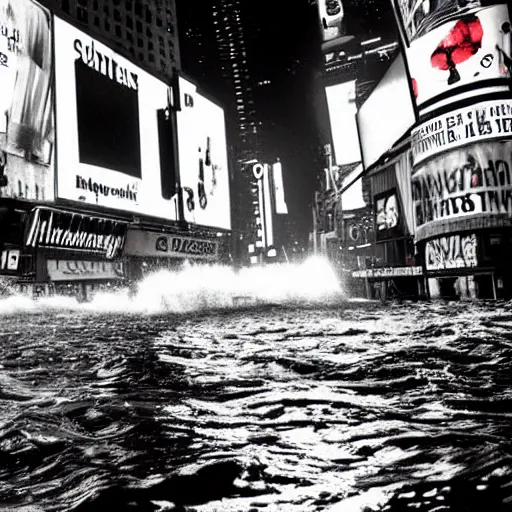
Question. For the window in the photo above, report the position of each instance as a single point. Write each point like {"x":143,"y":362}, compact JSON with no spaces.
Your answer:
{"x":129,"y":22}
{"x":139,"y":26}
{"x":118,"y":31}
{"x":117,"y":15}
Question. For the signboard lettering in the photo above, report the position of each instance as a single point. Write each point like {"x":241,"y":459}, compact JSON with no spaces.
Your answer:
{"x":466,"y":182}
{"x":57,"y":229}
{"x":105,"y":65}
{"x":484,"y":121}
{"x":175,"y":245}
{"x":386,"y":272}
{"x":455,"y":251}
{"x":72,"y":270}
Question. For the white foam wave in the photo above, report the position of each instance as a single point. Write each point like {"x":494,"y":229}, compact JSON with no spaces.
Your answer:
{"x":203,"y":287}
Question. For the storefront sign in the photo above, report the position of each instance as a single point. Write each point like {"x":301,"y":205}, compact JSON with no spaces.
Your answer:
{"x":72,"y":231}
{"x":388,"y":272}
{"x":145,"y":243}
{"x":10,"y":260}
{"x":73,"y":270}
{"x":483,"y":121}
{"x":448,"y":252}
{"x":468,"y":182}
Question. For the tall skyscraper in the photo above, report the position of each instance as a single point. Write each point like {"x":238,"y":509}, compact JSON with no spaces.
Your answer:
{"x":215,"y":51}
{"x":144,"y":31}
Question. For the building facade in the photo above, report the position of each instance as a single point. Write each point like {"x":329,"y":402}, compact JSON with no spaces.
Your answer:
{"x":109,"y":168}
{"x":145,"y":31}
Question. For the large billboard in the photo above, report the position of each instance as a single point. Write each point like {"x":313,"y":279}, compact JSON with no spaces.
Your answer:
{"x":203,"y":158}
{"x":109,"y":116}
{"x":453,"y":45}
{"x":465,"y":189}
{"x":26,"y":101}
{"x":482,"y":121}
{"x":382,"y":120}
{"x":341,"y":100}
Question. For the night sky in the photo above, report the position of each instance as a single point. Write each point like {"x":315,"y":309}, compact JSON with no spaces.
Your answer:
{"x":284,"y":40}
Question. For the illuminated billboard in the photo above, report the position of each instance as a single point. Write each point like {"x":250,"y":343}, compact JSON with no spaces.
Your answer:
{"x":26,"y":101}
{"x":467,"y":188}
{"x":203,"y":158}
{"x":387,"y":215}
{"x":455,"y":45}
{"x":341,"y":101}
{"x":382,"y":120}
{"x":109,"y":118}
{"x":485,"y":120}
{"x":331,"y":17}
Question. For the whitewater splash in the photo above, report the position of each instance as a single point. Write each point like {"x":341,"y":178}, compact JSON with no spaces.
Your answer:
{"x":201,"y":287}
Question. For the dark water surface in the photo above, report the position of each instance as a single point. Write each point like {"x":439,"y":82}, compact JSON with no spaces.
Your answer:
{"x":353,"y":407}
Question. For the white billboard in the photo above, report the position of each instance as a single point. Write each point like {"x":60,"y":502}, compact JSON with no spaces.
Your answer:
{"x":203,"y":159}
{"x":457,"y":48}
{"x":108,"y":113}
{"x":382,"y":120}
{"x":482,"y":121}
{"x":341,"y":101}
{"x":26,"y":101}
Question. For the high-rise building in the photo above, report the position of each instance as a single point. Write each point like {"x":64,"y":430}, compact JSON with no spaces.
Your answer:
{"x":215,"y":50}
{"x":144,"y":31}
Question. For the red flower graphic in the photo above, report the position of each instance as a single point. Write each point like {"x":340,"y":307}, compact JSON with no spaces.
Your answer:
{"x":463,"y":41}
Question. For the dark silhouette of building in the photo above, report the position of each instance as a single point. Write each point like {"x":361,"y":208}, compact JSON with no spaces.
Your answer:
{"x":144,"y":31}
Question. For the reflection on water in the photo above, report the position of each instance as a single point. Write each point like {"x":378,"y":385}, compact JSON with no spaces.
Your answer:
{"x":283,"y":404}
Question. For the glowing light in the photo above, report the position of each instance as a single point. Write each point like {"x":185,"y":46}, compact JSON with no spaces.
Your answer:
{"x":201,"y":288}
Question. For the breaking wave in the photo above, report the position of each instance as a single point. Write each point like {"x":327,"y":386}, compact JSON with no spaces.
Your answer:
{"x":205,"y":287}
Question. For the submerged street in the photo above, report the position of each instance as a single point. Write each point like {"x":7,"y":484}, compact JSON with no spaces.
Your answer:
{"x":287,"y":407}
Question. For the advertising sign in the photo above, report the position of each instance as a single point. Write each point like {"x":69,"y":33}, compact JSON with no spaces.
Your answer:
{"x":203,"y":159}
{"x":448,"y":252}
{"x":145,"y":243}
{"x":341,"y":101}
{"x":74,"y":270}
{"x":387,"y":215}
{"x":382,"y":105}
{"x":107,"y":111}
{"x":483,"y":121}
{"x":10,"y":260}
{"x":475,"y":181}
{"x":277,"y":175}
{"x":56,"y":229}
{"x":331,"y":15}
{"x":420,"y":18}
{"x":26,"y":101}
{"x":388,"y":272}
{"x":451,"y":47}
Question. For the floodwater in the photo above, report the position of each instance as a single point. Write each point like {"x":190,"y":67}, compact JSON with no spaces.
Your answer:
{"x":267,"y":391}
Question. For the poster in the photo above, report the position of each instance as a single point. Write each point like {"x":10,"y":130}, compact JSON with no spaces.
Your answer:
{"x":466,"y":50}
{"x":474,"y":181}
{"x":26,"y":100}
{"x":449,"y":252}
{"x":387,"y":215}
{"x":483,"y":121}
{"x":109,"y":128}
{"x":420,"y":18}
